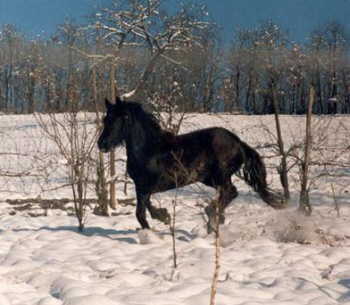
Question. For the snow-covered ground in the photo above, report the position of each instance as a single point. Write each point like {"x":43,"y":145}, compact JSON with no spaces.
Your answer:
{"x":267,"y":256}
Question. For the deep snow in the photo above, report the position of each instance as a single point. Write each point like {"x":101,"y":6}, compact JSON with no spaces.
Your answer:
{"x":267,"y":256}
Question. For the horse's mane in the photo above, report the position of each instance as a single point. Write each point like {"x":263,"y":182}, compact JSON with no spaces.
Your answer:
{"x":148,"y":120}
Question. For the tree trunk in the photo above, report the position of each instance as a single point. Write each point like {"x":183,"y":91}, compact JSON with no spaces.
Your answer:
{"x":102,"y":206}
{"x":283,"y":172}
{"x":112,"y":155}
{"x":304,"y":203}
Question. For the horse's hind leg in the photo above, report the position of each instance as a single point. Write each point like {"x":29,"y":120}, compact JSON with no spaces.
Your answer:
{"x":157,"y":213}
{"x":226,"y":193}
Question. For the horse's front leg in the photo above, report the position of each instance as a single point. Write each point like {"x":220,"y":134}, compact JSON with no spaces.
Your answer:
{"x":143,"y":202}
{"x":141,"y":210}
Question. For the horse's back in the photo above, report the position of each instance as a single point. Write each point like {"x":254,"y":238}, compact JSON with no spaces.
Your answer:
{"x":213,"y":137}
{"x":216,"y":145}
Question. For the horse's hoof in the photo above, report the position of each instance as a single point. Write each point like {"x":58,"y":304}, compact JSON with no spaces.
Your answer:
{"x":211,"y":224}
{"x":209,"y":210}
{"x":221,"y":219}
{"x":211,"y":213}
{"x":209,"y":228}
{"x":163,"y":215}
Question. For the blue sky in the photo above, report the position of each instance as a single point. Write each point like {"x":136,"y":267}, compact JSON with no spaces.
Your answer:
{"x":42,"y":16}
{"x":297,"y":16}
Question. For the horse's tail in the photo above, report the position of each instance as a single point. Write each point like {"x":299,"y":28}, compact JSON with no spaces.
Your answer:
{"x":254,"y":174}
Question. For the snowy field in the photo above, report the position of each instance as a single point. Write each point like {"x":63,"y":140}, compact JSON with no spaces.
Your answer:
{"x":267,"y":256}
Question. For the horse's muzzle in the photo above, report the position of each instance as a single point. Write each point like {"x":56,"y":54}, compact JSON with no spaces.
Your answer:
{"x":102,"y":146}
{"x":104,"y":150}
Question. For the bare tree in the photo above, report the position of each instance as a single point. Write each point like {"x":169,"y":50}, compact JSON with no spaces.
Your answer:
{"x":11,"y":44}
{"x":142,"y":25}
{"x":112,"y":154}
{"x":101,"y":186}
{"x":282,"y":169}
{"x":273,"y":38}
{"x":304,"y":204}
{"x":75,"y":137}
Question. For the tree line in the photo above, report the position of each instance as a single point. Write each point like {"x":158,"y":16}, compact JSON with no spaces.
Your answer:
{"x":173,"y":60}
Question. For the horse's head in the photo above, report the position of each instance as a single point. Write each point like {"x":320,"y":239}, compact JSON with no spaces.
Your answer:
{"x":113,"y":132}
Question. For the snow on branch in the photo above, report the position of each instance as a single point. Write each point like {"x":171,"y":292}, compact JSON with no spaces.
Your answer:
{"x":143,"y":24}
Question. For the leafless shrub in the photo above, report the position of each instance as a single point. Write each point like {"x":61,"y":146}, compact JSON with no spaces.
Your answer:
{"x":329,"y":156}
{"x":213,"y":224}
{"x":216,"y":272}
{"x":75,"y":136}
{"x":336,"y":201}
{"x":172,"y":224}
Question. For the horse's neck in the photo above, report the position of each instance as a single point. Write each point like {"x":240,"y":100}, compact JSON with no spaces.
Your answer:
{"x":137,"y":140}
{"x":135,"y":136}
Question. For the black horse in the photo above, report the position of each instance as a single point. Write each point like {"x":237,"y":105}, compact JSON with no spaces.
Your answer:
{"x":158,"y":161}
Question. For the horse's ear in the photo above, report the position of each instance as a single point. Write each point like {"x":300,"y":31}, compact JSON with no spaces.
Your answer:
{"x":109,"y":105}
